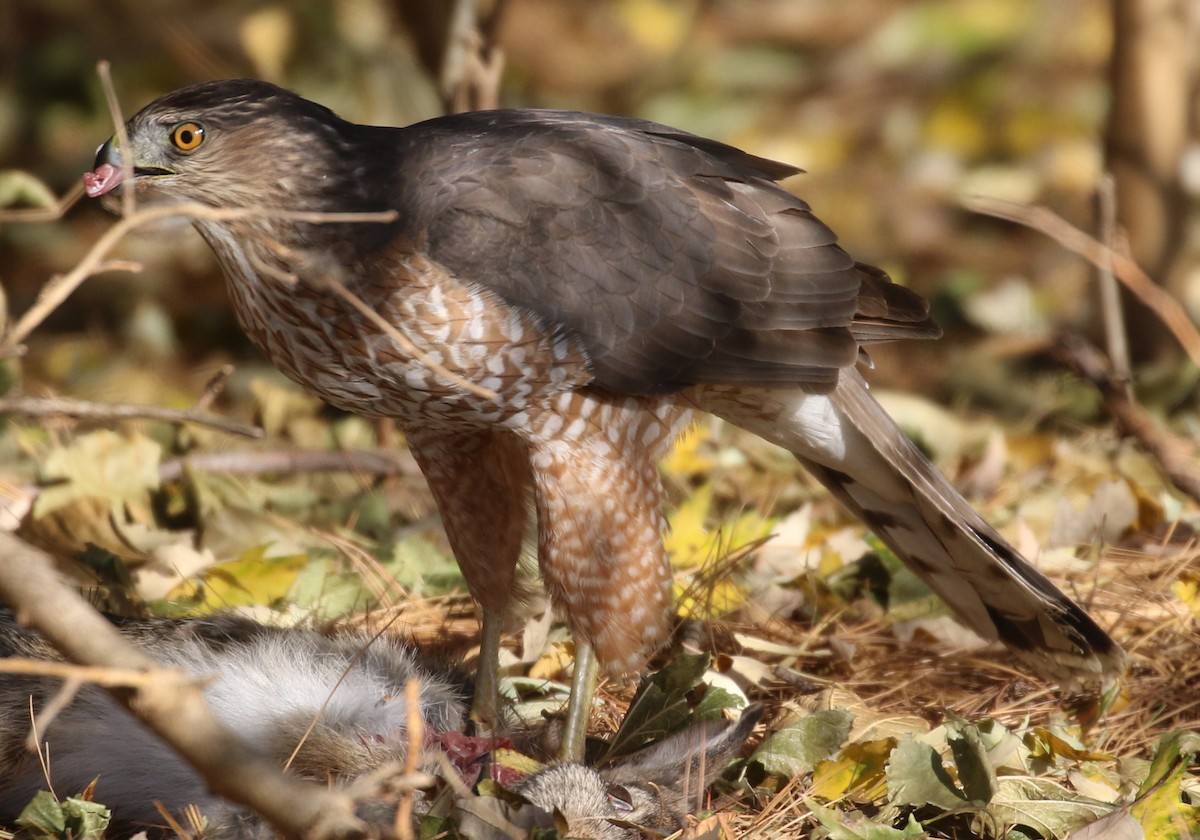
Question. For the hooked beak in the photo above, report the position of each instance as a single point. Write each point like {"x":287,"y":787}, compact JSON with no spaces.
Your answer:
{"x":107,"y":174}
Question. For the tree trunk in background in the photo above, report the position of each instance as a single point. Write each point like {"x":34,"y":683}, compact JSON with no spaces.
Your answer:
{"x":1146,"y":137}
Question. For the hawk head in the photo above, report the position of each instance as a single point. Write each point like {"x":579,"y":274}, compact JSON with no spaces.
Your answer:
{"x":231,"y":143}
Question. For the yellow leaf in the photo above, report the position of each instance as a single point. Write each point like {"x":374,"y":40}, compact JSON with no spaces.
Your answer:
{"x":956,"y":125}
{"x":720,"y":599}
{"x":250,"y":580}
{"x":1043,"y":742}
{"x":685,"y":458}
{"x":690,"y":543}
{"x":1188,"y":590}
{"x":857,"y":772}
{"x":551,"y":664}
{"x":1160,"y":807}
{"x":688,"y":538}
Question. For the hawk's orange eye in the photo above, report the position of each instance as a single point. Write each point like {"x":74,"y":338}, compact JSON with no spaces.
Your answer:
{"x":187,"y":136}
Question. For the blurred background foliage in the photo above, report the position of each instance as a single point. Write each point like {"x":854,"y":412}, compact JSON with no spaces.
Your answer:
{"x":895,"y":108}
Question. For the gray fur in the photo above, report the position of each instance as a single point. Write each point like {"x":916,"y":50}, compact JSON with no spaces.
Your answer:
{"x":268,"y":684}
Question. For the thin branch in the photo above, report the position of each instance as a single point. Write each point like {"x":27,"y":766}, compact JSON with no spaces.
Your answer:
{"x":178,"y":712}
{"x":83,"y":409}
{"x":412,"y":760}
{"x":1048,"y":222}
{"x":128,"y":200}
{"x":98,"y":675}
{"x":1176,"y":455}
{"x":60,"y":287}
{"x":378,"y":462}
{"x":397,"y":336}
{"x":46,"y":214}
{"x":213,"y":388}
{"x":1110,"y":293}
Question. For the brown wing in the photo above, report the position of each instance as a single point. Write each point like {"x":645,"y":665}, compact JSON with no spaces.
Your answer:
{"x":674,"y":260}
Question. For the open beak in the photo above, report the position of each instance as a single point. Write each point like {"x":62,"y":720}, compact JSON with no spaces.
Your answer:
{"x":106,"y":174}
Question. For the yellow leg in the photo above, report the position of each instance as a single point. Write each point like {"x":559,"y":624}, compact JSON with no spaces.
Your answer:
{"x":485,"y":705}
{"x":579,"y":707}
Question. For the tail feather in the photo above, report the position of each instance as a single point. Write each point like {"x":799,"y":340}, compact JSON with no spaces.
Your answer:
{"x":854,"y":448}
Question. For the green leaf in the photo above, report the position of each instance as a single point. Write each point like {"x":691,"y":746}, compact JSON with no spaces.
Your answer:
{"x":854,"y":826}
{"x":73,"y":818}
{"x":975,"y":770}
{"x":1042,"y":805}
{"x":715,"y":701}
{"x":797,"y":748}
{"x":1160,"y":807}
{"x":661,"y":705}
{"x":917,"y":777}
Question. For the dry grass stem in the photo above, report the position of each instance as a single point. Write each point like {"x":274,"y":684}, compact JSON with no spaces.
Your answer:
{"x":44,"y":407}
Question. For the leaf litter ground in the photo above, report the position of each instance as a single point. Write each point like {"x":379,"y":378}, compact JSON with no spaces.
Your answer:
{"x":884,"y":718}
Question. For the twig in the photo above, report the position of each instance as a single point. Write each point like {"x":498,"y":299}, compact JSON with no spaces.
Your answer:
{"x":83,"y":409}
{"x":46,"y":715}
{"x":177,"y":712}
{"x":46,"y":214}
{"x":213,"y":388}
{"x":60,"y":287}
{"x":1177,"y":455}
{"x":1128,"y":272}
{"x":102,"y":676}
{"x":378,"y":462}
{"x":397,"y":336}
{"x":128,"y":201}
{"x":412,"y":759}
{"x":74,"y":677}
{"x":1110,"y":293}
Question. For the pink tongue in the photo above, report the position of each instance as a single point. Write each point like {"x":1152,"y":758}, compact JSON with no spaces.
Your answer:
{"x":102,"y":180}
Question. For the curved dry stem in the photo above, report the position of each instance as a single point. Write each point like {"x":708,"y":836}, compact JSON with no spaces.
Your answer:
{"x":1049,"y":223}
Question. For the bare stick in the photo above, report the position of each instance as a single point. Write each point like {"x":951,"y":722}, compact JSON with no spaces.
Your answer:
{"x":128,"y":201}
{"x":83,"y":409}
{"x":416,"y":740}
{"x":177,"y":712}
{"x":103,"y":676}
{"x":60,"y":287}
{"x":1128,"y":272}
{"x":289,"y":461}
{"x":1176,"y":455}
{"x":1110,"y":293}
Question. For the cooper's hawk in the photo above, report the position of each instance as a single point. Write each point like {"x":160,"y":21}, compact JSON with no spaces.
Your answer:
{"x":564,"y":290}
